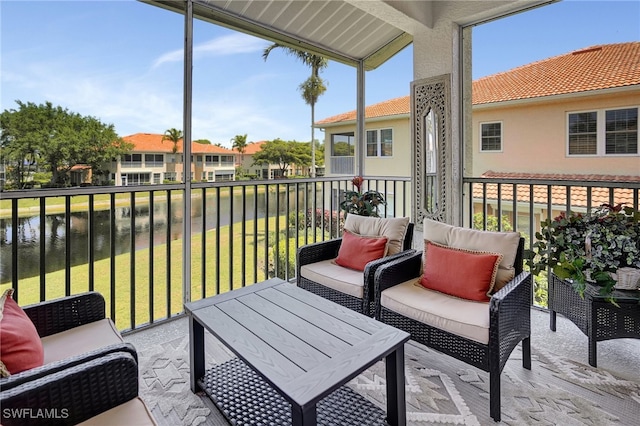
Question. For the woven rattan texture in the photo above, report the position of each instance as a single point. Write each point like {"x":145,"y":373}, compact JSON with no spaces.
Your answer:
{"x":336,"y":296}
{"x":84,"y":391}
{"x":65,"y":313}
{"x":245,"y":399}
{"x":509,"y":322}
{"x":326,"y":250}
{"x":595,"y":316}
{"x":564,"y":299}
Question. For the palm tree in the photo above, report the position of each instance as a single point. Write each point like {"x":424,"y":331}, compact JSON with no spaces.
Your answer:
{"x":311,"y":89}
{"x":239,"y":143}
{"x":173,"y":135}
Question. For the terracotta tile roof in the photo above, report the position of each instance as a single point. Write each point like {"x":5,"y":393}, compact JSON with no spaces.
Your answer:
{"x":252,"y":147}
{"x":596,"y":67}
{"x":558,"y":193}
{"x":397,"y":106}
{"x":593,"y":68}
{"x":152,"y":142}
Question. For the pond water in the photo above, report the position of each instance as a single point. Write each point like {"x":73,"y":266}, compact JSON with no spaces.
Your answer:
{"x":55,"y":232}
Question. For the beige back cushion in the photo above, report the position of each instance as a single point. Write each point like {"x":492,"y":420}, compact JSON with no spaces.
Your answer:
{"x":394,"y":228}
{"x":505,"y":243}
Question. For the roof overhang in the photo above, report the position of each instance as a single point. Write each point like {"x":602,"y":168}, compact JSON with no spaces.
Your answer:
{"x":347,"y":31}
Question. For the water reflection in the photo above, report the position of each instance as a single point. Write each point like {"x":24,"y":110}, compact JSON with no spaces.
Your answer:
{"x":55,"y":240}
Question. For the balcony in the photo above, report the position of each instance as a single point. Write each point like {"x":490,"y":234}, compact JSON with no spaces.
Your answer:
{"x":130,"y":245}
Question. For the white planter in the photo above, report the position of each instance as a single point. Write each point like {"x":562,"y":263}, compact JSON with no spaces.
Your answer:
{"x":627,"y":278}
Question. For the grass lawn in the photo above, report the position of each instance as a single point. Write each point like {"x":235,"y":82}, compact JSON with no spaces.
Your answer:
{"x":132,"y":297}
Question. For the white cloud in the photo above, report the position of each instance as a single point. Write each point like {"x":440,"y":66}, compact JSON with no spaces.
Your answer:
{"x":221,"y":46}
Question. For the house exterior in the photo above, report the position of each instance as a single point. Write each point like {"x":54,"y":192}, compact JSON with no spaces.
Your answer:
{"x":260,"y":171}
{"x":387,"y":138}
{"x":569,"y":117}
{"x":153,"y":161}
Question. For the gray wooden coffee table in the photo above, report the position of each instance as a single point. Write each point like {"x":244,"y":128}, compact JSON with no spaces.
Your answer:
{"x":295,"y":352}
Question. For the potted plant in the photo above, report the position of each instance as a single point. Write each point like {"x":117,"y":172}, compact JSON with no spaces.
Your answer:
{"x":362,"y":203}
{"x":591,"y":247}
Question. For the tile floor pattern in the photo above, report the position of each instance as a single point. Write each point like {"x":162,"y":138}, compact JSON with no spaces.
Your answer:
{"x":442,"y":390}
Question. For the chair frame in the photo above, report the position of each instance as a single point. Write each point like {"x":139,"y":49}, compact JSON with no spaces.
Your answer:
{"x":326,"y":250}
{"x":75,"y":394}
{"x":509,"y":322}
{"x":56,"y":316}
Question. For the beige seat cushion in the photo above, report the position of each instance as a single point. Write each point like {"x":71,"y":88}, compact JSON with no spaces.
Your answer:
{"x":457,"y":316}
{"x":505,"y":243}
{"x":394,"y":228}
{"x":132,"y":413}
{"x":79,"y":340}
{"x":329,"y":274}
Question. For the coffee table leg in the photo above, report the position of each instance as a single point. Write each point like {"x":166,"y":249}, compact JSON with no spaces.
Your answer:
{"x":396,"y":403}
{"x":196,"y":352}
{"x":301,"y":417}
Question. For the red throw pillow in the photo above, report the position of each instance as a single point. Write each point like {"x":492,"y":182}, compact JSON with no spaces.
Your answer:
{"x":358,"y":250}
{"x":20,"y":345}
{"x":467,"y":274}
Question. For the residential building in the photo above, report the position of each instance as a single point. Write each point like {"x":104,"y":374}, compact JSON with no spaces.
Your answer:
{"x":260,"y":171}
{"x":153,"y":161}
{"x":569,"y":117}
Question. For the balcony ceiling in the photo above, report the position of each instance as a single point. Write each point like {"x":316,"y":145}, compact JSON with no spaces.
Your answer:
{"x":347,"y":31}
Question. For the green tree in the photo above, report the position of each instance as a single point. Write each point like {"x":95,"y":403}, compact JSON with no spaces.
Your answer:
{"x":239,"y":143}
{"x":203,"y":141}
{"x":173,"y":135}
{"x":47,"y":138}
{"x":311,"y":89}
{"x":284,"y":154}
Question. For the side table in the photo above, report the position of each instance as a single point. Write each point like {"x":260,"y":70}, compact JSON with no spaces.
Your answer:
{"x":594,"y":315}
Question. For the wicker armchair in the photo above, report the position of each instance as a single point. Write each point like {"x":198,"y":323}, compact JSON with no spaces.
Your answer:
{"x":326,"y":251}
{"x":81,"y":379}
{"x":73,"y":394}
{"x":508,"y":318}
{"x":59,"y":317}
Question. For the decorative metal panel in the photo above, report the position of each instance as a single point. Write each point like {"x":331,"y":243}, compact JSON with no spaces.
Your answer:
{"x":430,"y":110}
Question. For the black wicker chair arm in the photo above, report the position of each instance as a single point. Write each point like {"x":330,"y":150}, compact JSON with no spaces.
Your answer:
{"x":62,"y":314}
{"x":30,"y":375}
{"x":369,"y":275}
{"x":372,"y":267}
{"x":74,"y":394}
{"x":509,"y":314}
{"x":316,"y":252}
{"x":395,"y":272}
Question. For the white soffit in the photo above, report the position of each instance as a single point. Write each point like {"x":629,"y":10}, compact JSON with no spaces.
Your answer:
{"x":347,"y":31}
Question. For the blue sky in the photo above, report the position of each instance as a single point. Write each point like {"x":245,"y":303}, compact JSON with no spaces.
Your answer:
{"x":121,"y":61}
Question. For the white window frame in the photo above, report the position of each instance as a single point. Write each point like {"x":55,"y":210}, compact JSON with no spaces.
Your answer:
{"x":501,"y":136}
{"x":378,"y":133}
{"x":601,"y":132}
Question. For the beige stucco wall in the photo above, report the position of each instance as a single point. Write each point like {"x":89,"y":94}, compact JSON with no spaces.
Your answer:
{"x":399,"y":164}
{"x":535,"y":137}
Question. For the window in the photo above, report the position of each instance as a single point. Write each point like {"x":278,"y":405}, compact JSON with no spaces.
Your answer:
{"x":583,"y":138}
{"x":621,"y":131}
{"x":135,"y":178}
{"x":343,"y":145}
{"x":170,"y":176}
{"x":156,"y":178}
{"x":380,"y":143}
{"x":603,"y":132}
{"x":224,"y":177}
{"x":228,"y":160}
{"x":153,"y":160}
{"x":132,"y":160}
{"x":211,"y":160}
{"x":491,"y":136}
